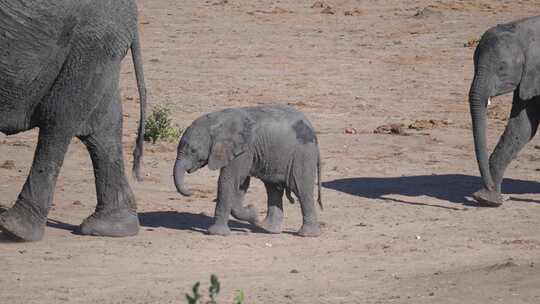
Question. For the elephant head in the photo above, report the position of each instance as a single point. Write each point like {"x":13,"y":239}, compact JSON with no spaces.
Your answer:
{"x":505,"y":60}
{"x":214,"y":140}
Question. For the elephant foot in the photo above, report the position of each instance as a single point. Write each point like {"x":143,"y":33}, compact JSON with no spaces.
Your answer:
{"x":487,"y":198}
{"x":20,"y":224}
{"x":248,"y":214}
{"x":218,"y":229}
{"x":270,"y":225}
{"x":117,"y":223}
{"x":310,"y":230}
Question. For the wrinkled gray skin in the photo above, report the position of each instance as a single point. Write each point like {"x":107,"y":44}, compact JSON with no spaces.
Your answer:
{"x":507,"y":59}
{"x":59,"y":72}
{"x":276,"y":144}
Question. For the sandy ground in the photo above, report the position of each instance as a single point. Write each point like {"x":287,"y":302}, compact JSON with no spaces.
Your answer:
{"x":396,"y":228}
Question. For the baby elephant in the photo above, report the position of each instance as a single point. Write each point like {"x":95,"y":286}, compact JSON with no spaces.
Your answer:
{"x":276,"y":144}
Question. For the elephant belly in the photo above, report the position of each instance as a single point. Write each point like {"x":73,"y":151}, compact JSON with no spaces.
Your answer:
{"x":274,"y":167}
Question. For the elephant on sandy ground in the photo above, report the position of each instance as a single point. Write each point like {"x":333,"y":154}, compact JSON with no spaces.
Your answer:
{"x":507,"y":59}
{"x":276,"y":144}
{"x":59,"y":72}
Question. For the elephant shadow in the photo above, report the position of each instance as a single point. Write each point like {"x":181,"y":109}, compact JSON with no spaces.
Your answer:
{"x":455,"y":188}
{"x":156,"y":219}
{"x":186,"y":221}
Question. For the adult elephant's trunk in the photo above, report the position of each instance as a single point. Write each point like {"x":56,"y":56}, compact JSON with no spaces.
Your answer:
{"x":478,"y":101}
{"x":179,"y":173}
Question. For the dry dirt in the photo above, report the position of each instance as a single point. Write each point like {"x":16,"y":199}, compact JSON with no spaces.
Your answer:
{"x":397,"y":227}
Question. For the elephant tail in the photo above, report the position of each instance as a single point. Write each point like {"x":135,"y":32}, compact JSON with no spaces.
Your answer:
{"x":139,"y":75}
{"x":319,"y":199}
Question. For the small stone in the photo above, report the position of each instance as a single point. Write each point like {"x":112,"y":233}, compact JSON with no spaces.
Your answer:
{"x":473,"y":42}
{"x":319,"y":4}
{"x":222,"y":2}
{"x":354,"y":12}
{"x":8,"y":165}
{"x":350,"y":131}
{"x":427,"y":13}
{"x":328,"y":10}
{"x":77,"y":203}
{"x":395,"y":129}
{"x":294,"y":271}
{"x":423,"y":124}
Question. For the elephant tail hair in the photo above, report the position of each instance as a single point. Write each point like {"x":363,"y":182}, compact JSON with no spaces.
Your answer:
{"x":139,"y":75}
{"x":289,"y":196}
{"x":319,"y":199}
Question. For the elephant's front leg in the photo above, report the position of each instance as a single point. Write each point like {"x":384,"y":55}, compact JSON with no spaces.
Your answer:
{"x":27,"y":218}
{"x":115,"y":213}
{"x":230,"y":192}
{"x":521,"y":128}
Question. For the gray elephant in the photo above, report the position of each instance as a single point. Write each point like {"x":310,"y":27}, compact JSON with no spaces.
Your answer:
{"x":59,"y":72}
{"x":507,"y":59}
{"x":276,"y":144}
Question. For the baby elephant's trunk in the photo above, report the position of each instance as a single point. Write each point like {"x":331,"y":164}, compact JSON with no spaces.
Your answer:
{"x":179,"y":173}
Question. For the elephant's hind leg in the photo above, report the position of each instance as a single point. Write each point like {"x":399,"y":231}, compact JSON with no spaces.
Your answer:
{"x":303,"y":184}
{"x":26,"y":220}
{"x":115,"y":214}
{"x":521,"y":128}
{"x":274,"y":216}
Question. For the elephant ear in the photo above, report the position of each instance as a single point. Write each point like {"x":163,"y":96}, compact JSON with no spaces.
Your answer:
{"x":529,"y":86}
{"x":230,"y":138}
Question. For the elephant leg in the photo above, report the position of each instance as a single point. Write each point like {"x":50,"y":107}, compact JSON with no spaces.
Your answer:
{"x":27,"y":218}
{"x":115,"y":213}
{"x":231,"y":179}
{"x":521,"y":128}
{"x":247,"y":213}
{"x":303,"y":184}
{"x":274,"y":215}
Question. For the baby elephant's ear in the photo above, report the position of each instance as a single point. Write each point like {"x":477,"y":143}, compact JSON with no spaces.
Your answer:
{"x":529,"y":86}
{"x":230,"y":139}
{"x":220,"y":155}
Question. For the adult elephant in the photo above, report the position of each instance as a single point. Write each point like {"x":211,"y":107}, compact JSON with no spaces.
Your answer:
{"x":59,"y":72}
{"x":507,"y":59}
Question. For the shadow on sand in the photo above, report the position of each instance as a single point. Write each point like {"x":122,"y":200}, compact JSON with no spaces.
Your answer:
{"x":166,"y":219}
{"x":455,"y":188}
{"x":186,"y":221}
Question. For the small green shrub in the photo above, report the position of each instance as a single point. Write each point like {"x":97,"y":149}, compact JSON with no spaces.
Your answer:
{"x":213,"y":291}
{"x":159,"y":126}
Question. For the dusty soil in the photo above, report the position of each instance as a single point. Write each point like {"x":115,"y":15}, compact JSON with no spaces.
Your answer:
{"x":397,"y":225}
